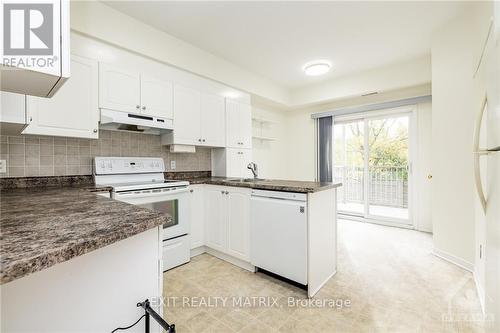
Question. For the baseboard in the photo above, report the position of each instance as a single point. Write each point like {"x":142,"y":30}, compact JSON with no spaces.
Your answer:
{"x":311,"y":293}
{"x":377,"y":222}
{"x":198,"y":250}
{"x":480,"y":292}
{"x":427,"y":230}
{"x":232,"y":260}
{"x":454,"y":260}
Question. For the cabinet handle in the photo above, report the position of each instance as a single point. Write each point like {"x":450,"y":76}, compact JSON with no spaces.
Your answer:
{"x":203,"y":140}
{"x":199,"y":140}
{"x":95,"y":130}
{"x":144,"y":108}
{"x":191,"y":191}
{"x":137,"y":106}
{"x":222,"y":192}
{"x":226,"y":192}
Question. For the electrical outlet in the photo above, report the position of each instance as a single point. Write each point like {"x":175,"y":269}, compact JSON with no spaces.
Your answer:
{"x":172,"y":165}
{"x":3,"y":166}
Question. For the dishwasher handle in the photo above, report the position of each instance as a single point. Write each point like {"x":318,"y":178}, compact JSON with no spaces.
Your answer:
{"x":291,"y":196}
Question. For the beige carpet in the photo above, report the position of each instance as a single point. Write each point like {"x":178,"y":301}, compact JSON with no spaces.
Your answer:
{"x":387,"y":281}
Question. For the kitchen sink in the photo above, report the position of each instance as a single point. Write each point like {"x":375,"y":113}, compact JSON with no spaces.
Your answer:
{"x":243,"y":180}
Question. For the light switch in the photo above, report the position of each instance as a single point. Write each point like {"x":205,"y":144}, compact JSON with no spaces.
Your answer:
{"x":3,"y":166}
{"x":172,"y":165}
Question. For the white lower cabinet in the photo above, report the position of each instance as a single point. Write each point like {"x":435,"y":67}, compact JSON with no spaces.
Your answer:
{"x":227,"y":216}
{"x":238,"y":223}
{"x":215,"y":217}
{"x":197,"y":215}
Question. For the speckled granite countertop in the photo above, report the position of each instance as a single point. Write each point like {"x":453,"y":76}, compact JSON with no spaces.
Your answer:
{"x":41,"y":227}
{"x":267,"y":184}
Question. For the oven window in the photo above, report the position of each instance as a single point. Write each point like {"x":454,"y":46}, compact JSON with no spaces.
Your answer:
{"x":170,"y":207}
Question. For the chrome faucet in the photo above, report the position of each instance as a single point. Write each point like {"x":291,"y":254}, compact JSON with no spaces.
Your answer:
{"x":253,"y":167}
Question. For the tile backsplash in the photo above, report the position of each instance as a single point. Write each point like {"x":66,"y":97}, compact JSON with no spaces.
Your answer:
{"x":29,"y":155}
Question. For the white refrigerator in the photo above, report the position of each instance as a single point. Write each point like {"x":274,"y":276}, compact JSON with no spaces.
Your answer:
{"x":487,"y":173}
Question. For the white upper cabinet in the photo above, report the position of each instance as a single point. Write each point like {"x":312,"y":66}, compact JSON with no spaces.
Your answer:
{"x":238,"y":125}
{"x":199,"y":119}
{"x":134,"y":92}
{"x":119,"y":89}
{"x":12,"y":108}
{"x":187,"y":104}
{"x":156,"y":97}
{"x":12,"y":113}
{"x":73,"y":111}
{"x":231,"y":162}
{"x":38,"y":75}
{"x":212,"y":120}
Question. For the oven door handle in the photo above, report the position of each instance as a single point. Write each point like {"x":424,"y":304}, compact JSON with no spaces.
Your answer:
{"x":149,"y":193}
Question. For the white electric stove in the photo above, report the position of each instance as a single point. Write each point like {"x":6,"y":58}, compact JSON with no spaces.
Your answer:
{"x":140,"y":181}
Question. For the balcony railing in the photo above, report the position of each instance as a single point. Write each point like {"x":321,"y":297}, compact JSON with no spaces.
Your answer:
{"x":387,"y":186}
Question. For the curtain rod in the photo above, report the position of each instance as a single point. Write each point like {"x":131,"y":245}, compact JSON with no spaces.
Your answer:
{"x":373,"y":107}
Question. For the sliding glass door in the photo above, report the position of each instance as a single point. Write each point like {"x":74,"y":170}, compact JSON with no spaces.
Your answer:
{"x":349,"y":165}
{"x":372,"y":160}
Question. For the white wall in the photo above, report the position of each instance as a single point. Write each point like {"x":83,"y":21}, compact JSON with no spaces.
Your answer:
{"x":270,"y":156}
{"x":455,"y":53}
{"x":105,"y":23}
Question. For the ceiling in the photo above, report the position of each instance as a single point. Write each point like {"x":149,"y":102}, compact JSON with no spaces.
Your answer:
{"x":275,"y":39}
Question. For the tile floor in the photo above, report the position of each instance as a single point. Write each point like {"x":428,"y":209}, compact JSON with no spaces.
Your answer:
{"x":389,"y":276}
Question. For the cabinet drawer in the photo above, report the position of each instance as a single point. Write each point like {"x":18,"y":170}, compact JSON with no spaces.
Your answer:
{"x":175,"y":252}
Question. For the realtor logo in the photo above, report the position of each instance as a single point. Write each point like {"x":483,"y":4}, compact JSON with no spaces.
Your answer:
{"x":28,"y":29}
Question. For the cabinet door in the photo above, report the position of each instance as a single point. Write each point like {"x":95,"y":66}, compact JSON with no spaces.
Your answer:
{"x":238,"y":125}
{"x":186,"y":116}
{"x":245,"y":125}
{"x":238,"y":223}
{"x":156,"y":97}
{"x":232,"y":124}
{"x":13,"y":108}
{"x":233,"y":163}
{"x":215,"y":217}
{"x":73,"y":111}
{"x":197,"y":207}
{"x":119,"y":89}
{"x":213,"y":122}
{"x":245,"y":159}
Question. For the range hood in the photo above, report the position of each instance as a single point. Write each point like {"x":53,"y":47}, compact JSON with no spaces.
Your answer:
{"x":132,"y":122}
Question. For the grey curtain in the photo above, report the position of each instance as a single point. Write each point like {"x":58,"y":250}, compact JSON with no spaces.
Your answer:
{"x":325,"y":152}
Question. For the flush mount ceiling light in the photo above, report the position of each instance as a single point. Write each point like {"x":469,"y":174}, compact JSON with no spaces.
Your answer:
{"x":317,"y":67}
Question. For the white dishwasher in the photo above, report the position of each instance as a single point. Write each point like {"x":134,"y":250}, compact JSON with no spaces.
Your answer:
{"x":278,"y":233}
